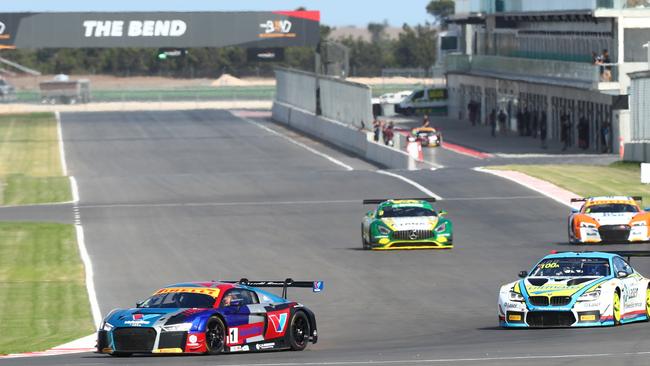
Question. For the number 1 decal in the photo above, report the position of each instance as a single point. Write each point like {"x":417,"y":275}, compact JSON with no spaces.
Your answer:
{"x":233,"y":336}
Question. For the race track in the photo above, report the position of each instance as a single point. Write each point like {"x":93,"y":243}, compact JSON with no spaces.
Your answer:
{"x":199,"y":195}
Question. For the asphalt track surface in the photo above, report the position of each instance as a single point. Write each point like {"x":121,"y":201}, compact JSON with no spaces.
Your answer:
{"x":195,"y":195}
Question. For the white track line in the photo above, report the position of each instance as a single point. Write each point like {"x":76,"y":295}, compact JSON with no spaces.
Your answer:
{"x":446,"y":360}
{"x":74,"y":188}
{"x":64,"y":165}
{"x":314,"y":151}
{"x":216,"y":204}
{"x":525,"y":184}
{"x":415,"y":184}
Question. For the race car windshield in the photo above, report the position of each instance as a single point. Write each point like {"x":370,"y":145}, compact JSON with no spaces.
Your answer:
{"x":572,"y":267}
{"x":611,"y":207}
{"x":179,"y":300}
{"x":406,"y":212}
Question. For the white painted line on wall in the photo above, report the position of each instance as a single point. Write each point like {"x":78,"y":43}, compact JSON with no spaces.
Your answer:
{"x":313,"y":151}
{"x":549,"y":190}
{"x":64,"y":166}
{"x":415,"y":184}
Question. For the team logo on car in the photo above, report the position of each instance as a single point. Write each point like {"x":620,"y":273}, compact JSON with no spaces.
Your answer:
{"x":278,"y":321}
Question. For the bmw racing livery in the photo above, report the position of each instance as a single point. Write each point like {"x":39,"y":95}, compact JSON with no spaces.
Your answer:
{"x":614,"y":219}
{"x":211,"y":318}
{"x":577,"y":289}
{"x":406,"y":224}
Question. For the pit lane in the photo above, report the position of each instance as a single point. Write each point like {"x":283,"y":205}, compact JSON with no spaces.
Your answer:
{"x":193,"y":195}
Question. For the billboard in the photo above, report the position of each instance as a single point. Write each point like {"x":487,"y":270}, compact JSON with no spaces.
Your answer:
{"x":159,"y":29}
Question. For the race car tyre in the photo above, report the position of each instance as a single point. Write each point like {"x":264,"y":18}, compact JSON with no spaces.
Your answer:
{"x":570,"y":234}
{"x":215,"y":336}
{"x":121,"y":354}
{"x":647,"y":304}
{"x":299,"y":332}
{"x":616,"y":308}
{"x":364,"y":242}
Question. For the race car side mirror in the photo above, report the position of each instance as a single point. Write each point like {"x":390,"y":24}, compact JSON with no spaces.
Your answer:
{"x":139,"y":304}
{"x":646,"y":209}
{"x":621,"y":274}
{"x":442,"y":213}
{"x":370,"y":213}
{"x":575,"y":210}
{"x":523,"y":274}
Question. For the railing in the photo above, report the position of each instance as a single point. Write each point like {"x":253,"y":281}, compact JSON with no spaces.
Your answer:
{"x":498,"y":6}
{"x":561,"y":71}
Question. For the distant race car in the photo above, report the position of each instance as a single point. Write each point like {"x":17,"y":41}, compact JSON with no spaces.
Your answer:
{"x":405,"y":224}
{"x":574,"y":289}
{"x":427,"y":136}
{"x":211,"y":318}
{"x":609,"y":219}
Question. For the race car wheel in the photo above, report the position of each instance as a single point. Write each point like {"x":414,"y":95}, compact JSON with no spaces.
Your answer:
{"x":299,"y":332}
{"x":616,"y":308}
{"x":121,"y":354}
{"x":215,"y":336}
{"x":364,"y":242}
{"x":572,"y":239}
{"x":647,"y":304}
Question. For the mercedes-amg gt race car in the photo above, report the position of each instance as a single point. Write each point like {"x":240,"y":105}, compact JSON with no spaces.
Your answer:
{"x":613,"y":219}
{"x":574,"y":289}
{"x":211,"y":318}
{"x":405,"y":224}
{"x":427,"y":136}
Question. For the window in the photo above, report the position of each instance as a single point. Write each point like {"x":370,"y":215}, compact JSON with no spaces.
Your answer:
{"x":248,"y":297}
{"x":620,"y":265}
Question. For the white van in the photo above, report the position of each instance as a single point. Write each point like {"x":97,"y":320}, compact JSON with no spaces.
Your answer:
{"x":427,"y":100}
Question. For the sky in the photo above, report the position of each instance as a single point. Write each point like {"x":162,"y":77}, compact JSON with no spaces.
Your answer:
{"x":333,"y":12}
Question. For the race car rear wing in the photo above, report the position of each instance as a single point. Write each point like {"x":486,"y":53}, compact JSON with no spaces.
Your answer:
{"x":316,"y":286}
{"x":380,"y":200}
{"x":636,"y":198}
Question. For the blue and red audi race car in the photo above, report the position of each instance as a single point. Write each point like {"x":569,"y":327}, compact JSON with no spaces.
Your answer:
{"x":211,"y":318}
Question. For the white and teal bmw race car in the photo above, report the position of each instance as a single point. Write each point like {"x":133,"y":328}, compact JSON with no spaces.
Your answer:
{"x":577,"y":289}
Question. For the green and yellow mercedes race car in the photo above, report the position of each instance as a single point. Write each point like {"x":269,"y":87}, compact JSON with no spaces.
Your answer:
{"x":405,"y":224}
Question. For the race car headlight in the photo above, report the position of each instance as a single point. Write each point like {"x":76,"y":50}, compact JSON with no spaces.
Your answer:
{"x":107,"y":326}
{"x":441,"y":228}
{"x":516,"y":297}
{"x":383,"y":230}
{"x":587,"y":225}
{"x":639,"y":223}
{"x":590,"y":296}
{"x":181,"y":327}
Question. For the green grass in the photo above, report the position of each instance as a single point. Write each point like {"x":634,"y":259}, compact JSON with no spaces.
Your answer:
{"x":621,"y":178}
{"x":43,"y":300}
{"x":30,"y":165}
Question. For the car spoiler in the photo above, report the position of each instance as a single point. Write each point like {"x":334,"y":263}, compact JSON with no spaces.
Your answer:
{"x":636,"y":198}
{"x":380,"y":200}
{"x":316,"y":286}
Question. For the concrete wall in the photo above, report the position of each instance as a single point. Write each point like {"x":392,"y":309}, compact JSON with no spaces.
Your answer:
{"x":346,"y":101}
{"x":340,"y":135}
{"x":296,"y":88}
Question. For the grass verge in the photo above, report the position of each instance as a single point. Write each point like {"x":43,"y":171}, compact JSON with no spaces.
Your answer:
{"x":30,"y":165}
{"x":43,"y":299}
{"x":620,"y":178}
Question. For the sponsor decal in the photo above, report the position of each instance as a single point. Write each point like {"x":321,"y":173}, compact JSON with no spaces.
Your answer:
{"x":279,"y":321}
{"x":233,"y":335}
{"x":140,"y":319}
{"x":134,"y":28}
{"x":3,"y":35}
{"x":318,"y":286}
{"x":514,"y":317}
{"x":261,"y":346}
{"x":277,"y":29}
{"x":509,"y":305}
{"x":214,"y":292}
{"x":239,"y":349}
{"x":550,"y":265}
{"x":588,"y":318}
{"x":191,"y":340}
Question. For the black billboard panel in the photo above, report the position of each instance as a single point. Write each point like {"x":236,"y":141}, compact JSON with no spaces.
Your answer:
{"x":159,"y":29}
{"x":269,"y":54}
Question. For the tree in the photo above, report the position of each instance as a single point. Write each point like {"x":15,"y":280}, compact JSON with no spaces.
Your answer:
{"x":377,"y":31}
{"x":416,"y":47}
{"x":441,"y":9}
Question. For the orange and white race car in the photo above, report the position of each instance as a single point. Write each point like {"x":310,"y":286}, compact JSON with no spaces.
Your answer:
{"x":613,"y":219}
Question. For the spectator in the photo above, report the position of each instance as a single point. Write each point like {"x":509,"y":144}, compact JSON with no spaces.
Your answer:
{"x":526,"y":122}
{"x":502,"y":121}
{"x":520,"y":122}
{"x":543,"y":129}
{"x":493,"y":122}
{"x":595,"y":58}
{"x":388,"y":134}
{"x":470,"y":112}
{"x":425,"y":121}
{"x":605,"y":133}
{"x":565,"y":131}
{"x":376,"y":128}
{"x":583,"y":132}
{"x":534,"y":123}
{"x":606,"y":69}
